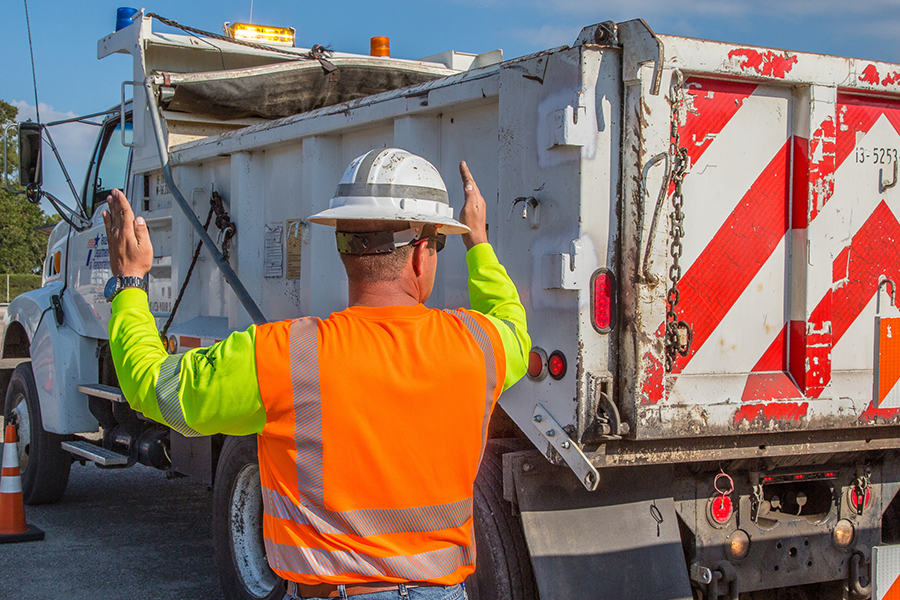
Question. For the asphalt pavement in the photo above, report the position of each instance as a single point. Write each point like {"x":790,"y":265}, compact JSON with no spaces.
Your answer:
{"x":127,"y":534}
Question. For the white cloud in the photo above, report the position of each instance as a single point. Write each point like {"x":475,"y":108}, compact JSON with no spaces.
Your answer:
{"x":74,"y":141}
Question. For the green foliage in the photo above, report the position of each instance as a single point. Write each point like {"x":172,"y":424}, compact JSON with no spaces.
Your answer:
{"x":22,"y":249}
{"x":18,"y":284}
{"x":8,"y":114}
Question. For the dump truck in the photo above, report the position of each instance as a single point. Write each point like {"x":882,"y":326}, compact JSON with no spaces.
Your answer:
{"x":703,"y":235}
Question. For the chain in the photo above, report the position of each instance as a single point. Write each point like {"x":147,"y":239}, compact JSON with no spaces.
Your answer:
{"x":317,"y":52}
{"x":678,"y":335}
{"x":227,"y":231}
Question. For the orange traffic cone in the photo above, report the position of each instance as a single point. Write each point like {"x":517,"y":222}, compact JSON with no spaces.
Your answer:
{"x":13,"y":527}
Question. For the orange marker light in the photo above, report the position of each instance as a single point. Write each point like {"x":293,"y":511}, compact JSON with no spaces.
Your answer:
{"x":537,"y":364}
{"x":380,"y":46}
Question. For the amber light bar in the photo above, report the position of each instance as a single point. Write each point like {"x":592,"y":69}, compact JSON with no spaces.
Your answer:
{"x":264,"y":34}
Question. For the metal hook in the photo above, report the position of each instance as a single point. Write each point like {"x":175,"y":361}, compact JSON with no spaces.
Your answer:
{"x":529,"y":201}
{"x":886,"y":186}
{"x":881,"y":284}
{"x":225,"y":234}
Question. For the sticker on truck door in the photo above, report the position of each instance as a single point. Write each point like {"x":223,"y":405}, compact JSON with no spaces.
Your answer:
{"x":98,"y":253}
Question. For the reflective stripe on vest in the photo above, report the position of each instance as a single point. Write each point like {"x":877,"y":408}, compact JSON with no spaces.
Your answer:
{"x":418,"y":567}
{"x":167,"y":388}
{"x":304,"y":345}
{"x":369,"y":522}
{"x":487,"y":348}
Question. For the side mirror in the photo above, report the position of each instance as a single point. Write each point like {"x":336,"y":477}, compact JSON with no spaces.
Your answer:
{"x":30,"y":171}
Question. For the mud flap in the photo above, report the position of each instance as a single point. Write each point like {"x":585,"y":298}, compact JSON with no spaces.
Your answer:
{"x":621,"y":541}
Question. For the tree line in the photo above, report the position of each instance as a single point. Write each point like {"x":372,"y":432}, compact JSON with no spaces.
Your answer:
{"x":22,"y":249}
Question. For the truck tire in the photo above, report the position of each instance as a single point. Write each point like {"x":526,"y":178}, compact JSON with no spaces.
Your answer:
{"x":237,"y":525}
{"x":44,"y":464}
{"x":503,"y":566}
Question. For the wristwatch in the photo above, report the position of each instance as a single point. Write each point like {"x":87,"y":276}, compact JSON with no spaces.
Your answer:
{"x":117,"y":283}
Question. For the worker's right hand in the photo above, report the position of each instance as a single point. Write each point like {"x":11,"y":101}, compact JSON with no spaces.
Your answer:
{"x":474,"y":212}
{"x":130,"y":250}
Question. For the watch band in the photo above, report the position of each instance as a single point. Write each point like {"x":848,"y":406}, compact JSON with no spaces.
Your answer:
{"x":132,"y":281}
{"x":118,"y":283}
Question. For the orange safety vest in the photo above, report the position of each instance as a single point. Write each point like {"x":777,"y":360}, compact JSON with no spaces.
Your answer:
{"x":376,"y":420}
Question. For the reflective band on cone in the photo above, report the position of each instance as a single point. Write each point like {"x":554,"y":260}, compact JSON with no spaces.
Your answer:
{"x":13,"y":527}
{"x":11,"y":485}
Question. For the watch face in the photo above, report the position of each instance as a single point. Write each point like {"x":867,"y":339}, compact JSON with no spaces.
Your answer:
{"x":110,"y":290}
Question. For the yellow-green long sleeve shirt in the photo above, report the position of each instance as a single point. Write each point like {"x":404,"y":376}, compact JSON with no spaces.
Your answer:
{"x":214,"y":390}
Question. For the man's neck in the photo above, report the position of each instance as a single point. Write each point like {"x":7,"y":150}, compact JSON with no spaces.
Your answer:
{"x":385,"y":294}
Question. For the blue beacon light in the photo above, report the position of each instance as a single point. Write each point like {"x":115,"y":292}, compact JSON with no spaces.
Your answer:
{"x":123,"y":17}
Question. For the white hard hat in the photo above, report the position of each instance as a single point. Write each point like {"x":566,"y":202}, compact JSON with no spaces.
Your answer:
{"x":391,"y":185}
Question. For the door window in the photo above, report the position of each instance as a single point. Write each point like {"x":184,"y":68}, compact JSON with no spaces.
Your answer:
{"x":109,"y":168}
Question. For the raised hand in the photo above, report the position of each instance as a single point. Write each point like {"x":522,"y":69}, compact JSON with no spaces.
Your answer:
{"x":474,"y":211}
{"x":130,"y":250}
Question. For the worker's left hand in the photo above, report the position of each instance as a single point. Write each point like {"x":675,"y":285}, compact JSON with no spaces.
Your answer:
{"x":130,"y":250}
{"x":474,"y":212}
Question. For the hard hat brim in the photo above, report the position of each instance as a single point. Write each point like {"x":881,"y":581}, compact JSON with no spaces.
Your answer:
{"x":382,"y":211}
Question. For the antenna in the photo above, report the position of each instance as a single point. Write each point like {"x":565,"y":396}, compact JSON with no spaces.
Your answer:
{"x":37,"y":106}
{"x":251,"y":11}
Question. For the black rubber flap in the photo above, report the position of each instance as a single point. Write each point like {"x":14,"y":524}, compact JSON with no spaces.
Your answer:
{"x":621,"y":541}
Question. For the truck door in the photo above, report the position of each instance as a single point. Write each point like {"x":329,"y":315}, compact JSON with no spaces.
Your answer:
{"x":89,"y":254}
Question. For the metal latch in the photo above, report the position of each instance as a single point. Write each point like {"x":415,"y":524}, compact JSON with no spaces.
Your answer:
{"x":565,"y":271}
{"x":701,"y":574}
{"x":553,"y":432}
{"x":570,"y":126}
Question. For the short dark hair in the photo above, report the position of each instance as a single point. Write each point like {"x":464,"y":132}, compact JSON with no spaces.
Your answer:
{"x":378,"y":268}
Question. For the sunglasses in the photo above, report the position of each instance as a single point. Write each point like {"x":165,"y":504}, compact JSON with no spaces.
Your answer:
{"x":440,"y":241}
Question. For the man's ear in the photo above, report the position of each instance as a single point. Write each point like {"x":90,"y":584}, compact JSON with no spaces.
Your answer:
{"x":418,"y":258}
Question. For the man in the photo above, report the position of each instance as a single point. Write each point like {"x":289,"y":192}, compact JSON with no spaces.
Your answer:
{"x":372,"y":422}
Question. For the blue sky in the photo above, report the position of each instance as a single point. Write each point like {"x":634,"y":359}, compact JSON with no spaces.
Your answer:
{"x":71,"y":81}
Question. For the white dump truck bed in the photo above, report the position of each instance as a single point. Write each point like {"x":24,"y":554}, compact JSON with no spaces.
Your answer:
{"x":785,"y":236}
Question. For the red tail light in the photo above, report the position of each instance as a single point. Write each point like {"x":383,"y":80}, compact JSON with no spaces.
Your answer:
{"x":602,"y":300}
{"x":855,"y":495}
{"x":721,"y":508}
{"x":556,"y":364}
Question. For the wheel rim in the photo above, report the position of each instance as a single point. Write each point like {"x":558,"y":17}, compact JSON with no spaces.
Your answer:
{"x":246,"y":515}
{"x":23,"y":429}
